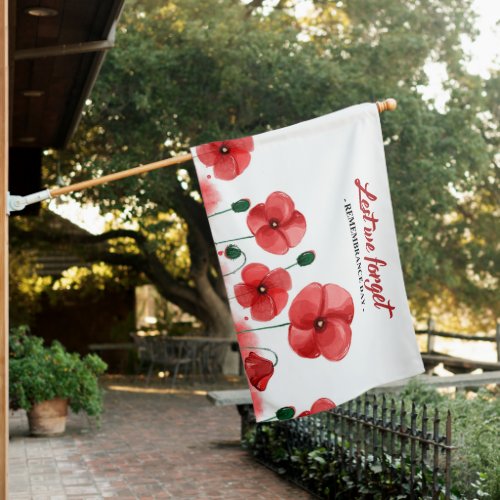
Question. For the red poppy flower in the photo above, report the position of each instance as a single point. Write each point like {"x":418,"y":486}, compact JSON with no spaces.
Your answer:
{"x":264,"y":291}
{"x":320,"y":319}
{"x":229,"y":158}
{"x":321,"y":404}
{"x":276,"y":224}
{"x":259,"y":370}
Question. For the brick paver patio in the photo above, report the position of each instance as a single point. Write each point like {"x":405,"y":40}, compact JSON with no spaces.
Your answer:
{"x":150,"y":445}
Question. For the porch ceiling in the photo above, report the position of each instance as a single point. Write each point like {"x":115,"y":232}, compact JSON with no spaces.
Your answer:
{"x":54,"y":63}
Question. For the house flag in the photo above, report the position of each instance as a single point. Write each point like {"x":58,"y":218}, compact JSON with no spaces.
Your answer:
{"x":303,"y":226}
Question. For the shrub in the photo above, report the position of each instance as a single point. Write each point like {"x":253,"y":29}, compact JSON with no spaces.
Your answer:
{"x":475,"y":434}
{"x":38,"y":373}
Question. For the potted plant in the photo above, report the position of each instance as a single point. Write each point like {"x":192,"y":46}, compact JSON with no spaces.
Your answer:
{"x":45,"y":380}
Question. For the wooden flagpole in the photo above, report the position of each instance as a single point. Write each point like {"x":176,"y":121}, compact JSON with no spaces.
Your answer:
{"x":387,"y":105}
{"x":121,"y":175}
{"x":4,"y":249}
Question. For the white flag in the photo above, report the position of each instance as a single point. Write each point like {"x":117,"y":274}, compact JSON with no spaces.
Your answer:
{"x":304,"y":230}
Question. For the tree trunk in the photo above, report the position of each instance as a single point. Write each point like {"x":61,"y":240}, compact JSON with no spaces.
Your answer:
{"x":221,"y":322}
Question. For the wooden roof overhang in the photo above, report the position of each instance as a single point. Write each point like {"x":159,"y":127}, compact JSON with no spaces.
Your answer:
{"x":55,"y":59}
{"x":57,"y":48}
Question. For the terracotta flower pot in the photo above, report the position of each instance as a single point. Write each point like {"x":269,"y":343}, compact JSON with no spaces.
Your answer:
{"x":48,"y":417}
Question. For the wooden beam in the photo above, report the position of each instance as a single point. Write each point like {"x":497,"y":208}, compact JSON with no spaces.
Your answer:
{"x":63,"y":50}
{"x":4,"y":248}
{"x":433,"y":359}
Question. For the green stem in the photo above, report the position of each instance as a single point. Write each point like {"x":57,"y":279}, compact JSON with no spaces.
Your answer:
{"x":296,"y":264}
{"x":272,"y":419}
{"x":238,"y":268}
{"x":263,"y":328}
{"x":221,"y":212}
{"x":262,"y":349}
{"x":234,"y":239}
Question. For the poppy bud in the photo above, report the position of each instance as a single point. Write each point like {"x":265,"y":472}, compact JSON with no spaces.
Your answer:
{"x":232,"y":252}
{"x":285,"y":413}
{"x":241,"y":205}
{"x":259,"y":370}
{"x":306,"y":258}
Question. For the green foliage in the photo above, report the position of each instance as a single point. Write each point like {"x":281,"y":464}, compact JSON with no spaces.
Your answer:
{"x":475,"y":464}
{"x":476,"y":434}
{"x":189,"y":72}
{"x":38,"y":373}
{"x":25,"y":286}
{"x":421,"y":394}
{"x":333,"y":473}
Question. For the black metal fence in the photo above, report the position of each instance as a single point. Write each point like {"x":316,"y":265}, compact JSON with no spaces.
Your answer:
{"x":371,"y":447}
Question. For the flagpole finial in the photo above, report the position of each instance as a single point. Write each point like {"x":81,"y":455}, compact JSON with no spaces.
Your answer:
{"x":387,"y":105}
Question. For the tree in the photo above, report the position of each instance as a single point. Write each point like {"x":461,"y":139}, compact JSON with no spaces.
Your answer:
{"x":188,"y":72}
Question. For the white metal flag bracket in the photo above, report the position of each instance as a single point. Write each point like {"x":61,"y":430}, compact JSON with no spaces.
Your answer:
{"x":16,"y":203}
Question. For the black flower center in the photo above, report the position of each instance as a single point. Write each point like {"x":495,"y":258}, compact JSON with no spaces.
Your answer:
{"x":273,"y":223}
{"x":224,"y":150}
{"x":319,"y":324}
{"x":262,"y":289}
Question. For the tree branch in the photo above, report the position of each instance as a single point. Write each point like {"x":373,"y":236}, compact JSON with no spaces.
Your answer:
{"x":137,"y":262}
{"x":118,"y":233}
{"x":185,"y":297}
